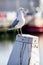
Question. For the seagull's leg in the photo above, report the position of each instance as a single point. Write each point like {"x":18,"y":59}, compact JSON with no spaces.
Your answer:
{"x":20,"y":31}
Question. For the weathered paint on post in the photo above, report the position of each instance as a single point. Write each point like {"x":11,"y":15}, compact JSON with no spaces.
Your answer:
{"x":21,"y":53}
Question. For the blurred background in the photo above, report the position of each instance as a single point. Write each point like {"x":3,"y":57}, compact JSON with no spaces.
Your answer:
{"x":11,"y":5}
{"x":7,"y":38}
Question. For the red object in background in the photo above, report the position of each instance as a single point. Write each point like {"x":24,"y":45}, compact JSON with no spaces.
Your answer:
{"x":1,"y":15}
{"x":34,"y":29}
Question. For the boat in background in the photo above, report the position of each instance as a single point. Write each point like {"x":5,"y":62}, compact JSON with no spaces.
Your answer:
{"x":36,"y":25}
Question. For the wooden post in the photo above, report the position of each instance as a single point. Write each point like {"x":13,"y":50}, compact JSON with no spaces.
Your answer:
{"x":21,"y":53}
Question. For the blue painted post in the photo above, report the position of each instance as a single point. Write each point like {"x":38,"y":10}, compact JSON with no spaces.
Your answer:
{"x":21,"y":52}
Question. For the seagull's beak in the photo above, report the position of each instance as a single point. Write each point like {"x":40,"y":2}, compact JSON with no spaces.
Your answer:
{"x":24,"y":9}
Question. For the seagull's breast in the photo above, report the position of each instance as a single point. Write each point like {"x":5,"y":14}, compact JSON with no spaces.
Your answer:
{"x":21,"y":20}
{"x":20,"y":24}
{"x":20,"y":16}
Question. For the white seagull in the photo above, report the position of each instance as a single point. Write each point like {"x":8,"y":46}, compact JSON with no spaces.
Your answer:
{"x":19,"y":22}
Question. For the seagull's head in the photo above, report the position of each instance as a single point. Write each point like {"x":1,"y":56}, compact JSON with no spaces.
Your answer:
{"x":22,"y":9}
